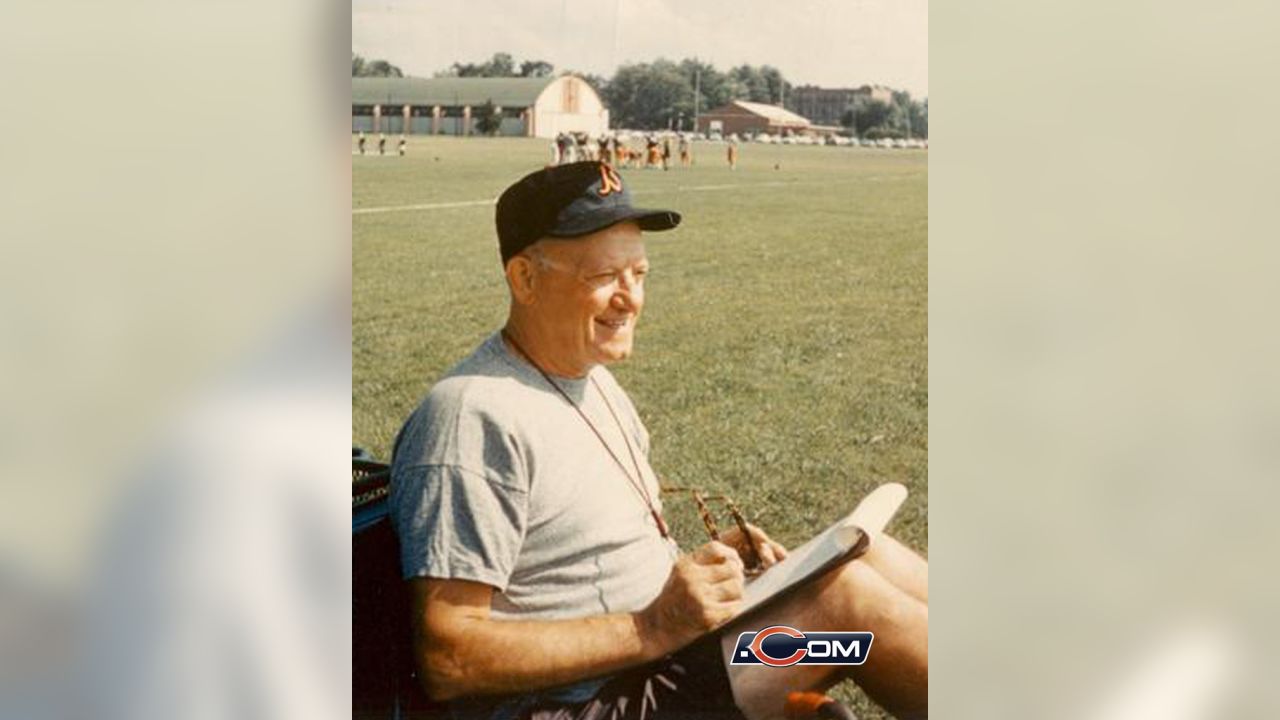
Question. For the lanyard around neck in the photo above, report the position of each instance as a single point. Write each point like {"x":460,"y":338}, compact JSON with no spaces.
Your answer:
{"x":637,"y":482}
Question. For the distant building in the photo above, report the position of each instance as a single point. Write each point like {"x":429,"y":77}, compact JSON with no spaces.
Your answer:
{"x":530,"y":107}
{"x":740,"y":116}
{"x":826,"y":106}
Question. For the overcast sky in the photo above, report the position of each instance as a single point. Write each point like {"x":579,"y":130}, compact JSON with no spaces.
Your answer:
{"x":832,"y":43}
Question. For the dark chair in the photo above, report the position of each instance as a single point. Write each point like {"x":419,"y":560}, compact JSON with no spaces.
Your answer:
{"x":384,"y":682}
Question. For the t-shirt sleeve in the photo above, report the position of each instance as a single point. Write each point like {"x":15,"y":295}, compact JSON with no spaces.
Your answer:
{"x":459,"y":491}
{"x":459,"y":524}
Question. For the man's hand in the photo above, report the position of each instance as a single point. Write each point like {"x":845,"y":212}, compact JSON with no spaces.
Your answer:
{"x":770,"y":552}
{"x":703,"y":591}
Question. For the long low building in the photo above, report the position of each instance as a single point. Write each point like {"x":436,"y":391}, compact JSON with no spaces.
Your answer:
{"x":740,"y":116}
{"x":529,"y":107}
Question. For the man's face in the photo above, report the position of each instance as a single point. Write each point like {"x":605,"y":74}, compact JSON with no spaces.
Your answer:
{"x":590,"y":292}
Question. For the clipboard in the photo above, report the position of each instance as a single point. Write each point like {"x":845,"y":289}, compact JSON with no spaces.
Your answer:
{"x":844,"y":540}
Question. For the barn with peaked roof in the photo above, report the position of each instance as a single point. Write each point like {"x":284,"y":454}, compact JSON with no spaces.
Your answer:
{"x":530,"y":107}
{"x":740,"y":116}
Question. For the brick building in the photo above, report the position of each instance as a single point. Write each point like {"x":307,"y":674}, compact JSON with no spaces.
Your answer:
{"x":740,"y":116}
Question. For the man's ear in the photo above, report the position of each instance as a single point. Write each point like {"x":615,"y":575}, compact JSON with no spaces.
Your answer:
{"x":521,"y":278}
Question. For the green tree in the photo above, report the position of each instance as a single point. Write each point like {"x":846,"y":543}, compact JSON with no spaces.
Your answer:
{"x":920,"y":119}
{"x":361,"y":67}
{"x":900,"y":114}
{"x":903,"y":117}
{"x":714,"y":87}
{"x":899,"y":120}
{"x":500,"y":65}
{"x":763,"y":84}
{"x":779,"y":89}
{"x":382,"y":68}
{"x":536,"y":68}
{"x":597,"y":82}
{"x":870,"y":114}
{"x":653,"y":95}
{"x":487,"y":118}
{"x":883,"y":131}
{"x":648,"y":96}
{"x":734,"y":89}
{"x":750,"y":84}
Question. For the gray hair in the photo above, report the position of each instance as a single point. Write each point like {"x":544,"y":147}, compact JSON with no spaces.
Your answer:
{"x":537,"y":253}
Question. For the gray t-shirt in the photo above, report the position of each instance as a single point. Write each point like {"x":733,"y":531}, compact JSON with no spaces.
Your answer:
{"x":497,"y":479}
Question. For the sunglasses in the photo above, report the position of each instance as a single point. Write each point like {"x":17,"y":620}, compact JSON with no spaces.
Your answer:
{"x":752,"y":562}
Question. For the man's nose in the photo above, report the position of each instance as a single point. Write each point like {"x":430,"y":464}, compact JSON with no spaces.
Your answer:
{"x":630,"y":293}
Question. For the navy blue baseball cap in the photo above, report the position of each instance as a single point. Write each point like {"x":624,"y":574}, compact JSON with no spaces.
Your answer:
{"x":567,"y":201}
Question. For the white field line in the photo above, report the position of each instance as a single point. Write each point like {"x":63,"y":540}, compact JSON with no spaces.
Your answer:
{"x":423,"y":206}
{"x":676,"y":189}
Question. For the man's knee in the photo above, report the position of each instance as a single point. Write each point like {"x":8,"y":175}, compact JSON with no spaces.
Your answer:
{"x":875,"y":603}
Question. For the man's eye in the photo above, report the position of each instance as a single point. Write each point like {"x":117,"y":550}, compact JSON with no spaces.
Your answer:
{"x":616,"y":276}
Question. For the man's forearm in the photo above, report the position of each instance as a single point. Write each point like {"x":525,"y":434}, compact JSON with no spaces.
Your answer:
{"x":485,"y":656}
{"x":463,"y":651}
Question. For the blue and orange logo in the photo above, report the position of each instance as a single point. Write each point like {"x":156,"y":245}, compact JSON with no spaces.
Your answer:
{"x":783,"y":646}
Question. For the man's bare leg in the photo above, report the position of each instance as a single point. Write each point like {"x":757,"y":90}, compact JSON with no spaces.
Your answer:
{"x":854,"y":597}
{"x":901,"y":566}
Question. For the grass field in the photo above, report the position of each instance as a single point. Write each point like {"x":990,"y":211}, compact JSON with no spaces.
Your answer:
{"x":782,"y":356}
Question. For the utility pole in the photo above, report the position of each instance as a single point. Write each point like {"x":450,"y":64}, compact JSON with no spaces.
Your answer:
{"x":697,"y":93}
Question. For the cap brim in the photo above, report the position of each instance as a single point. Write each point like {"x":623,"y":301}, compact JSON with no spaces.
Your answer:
{"x":587,"y":223}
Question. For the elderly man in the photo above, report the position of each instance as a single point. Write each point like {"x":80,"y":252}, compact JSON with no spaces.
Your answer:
{"x":544,"y":580}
